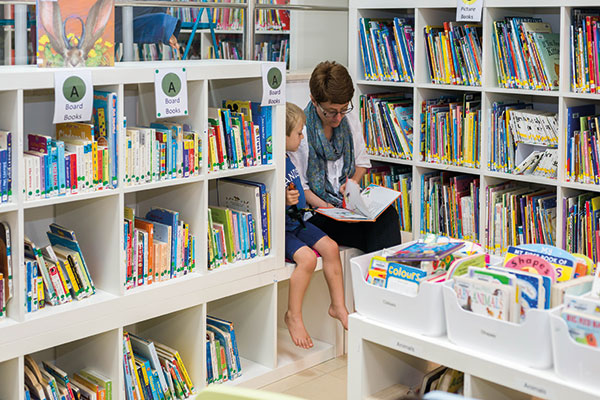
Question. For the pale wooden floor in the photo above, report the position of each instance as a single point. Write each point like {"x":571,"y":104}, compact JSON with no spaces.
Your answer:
{"x":326,"y":381}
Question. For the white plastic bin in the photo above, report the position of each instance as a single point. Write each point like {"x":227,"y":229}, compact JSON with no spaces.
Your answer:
{"x":423,"y":313}
{"x":528,"y":343}
{"x":573,"y":361}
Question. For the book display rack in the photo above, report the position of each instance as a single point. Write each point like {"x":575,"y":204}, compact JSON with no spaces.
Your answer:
{"x":89,"y":333}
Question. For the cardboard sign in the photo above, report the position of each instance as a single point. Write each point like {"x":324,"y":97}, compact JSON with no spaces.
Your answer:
{"x":170,"y":89}
{"x":73,"y":96}
{"x":469,"y":10}
{"x":273,"y":78}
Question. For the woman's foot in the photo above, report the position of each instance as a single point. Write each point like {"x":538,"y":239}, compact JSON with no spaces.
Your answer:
{"x":298,"y":332}
{"x":340,"y":313}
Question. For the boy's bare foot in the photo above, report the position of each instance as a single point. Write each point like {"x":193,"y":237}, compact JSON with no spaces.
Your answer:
{"x":340,"y":313}
{"x":298,"y":332}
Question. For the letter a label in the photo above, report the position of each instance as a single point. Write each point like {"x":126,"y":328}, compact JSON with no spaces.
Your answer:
{"x":273,"y":78}
{"x":170,"y":92}
{"x":73,"y":96}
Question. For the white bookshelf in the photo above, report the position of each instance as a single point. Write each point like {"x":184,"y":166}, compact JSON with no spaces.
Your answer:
{"x":380,"y":357}
{"x":88,"y":333}
{"x":432,"y":12}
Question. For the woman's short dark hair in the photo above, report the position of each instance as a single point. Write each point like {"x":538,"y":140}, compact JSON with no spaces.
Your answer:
{"x":331,"y":82}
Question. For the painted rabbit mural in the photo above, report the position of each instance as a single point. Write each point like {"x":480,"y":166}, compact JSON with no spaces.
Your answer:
{"x":69,"y":41}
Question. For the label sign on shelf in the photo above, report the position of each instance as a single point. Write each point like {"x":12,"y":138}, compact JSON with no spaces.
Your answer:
{"x":73,"y":96}
{"x":273,"y":79}
{"x":469,"y":10}
{"x":170,"y":90}
{"x":533,"y":389}
{"x":407,"y":348}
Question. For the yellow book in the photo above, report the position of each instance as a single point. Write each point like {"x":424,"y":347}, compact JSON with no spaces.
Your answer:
{"x":61,"y":274}
{"x":105,"y":167}
{"x":71,"y":274}
{"x":137,"y":383}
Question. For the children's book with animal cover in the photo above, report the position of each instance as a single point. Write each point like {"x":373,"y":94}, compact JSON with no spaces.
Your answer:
{"x":485,"y":298}
{"x":75,"y":33}
{"x":361,"y":205}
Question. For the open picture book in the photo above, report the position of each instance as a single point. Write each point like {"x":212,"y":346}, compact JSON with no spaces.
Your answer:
{"x":361,"y":205}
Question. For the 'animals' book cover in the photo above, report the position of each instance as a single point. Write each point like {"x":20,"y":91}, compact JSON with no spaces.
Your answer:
{"x":75,"y":33}
{"x":485,"y":298}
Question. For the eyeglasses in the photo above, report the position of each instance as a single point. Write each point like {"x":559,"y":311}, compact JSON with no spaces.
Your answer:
{"x":333,"y":114}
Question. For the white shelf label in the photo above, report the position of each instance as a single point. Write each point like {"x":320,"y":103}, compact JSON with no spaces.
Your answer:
{"x":469,"y":10}
{"x":73,"y":96}
{"x":407,"y":347}
{"x":273,"y":79}
{"x":170,"y":90}
{"x":533,"y":389}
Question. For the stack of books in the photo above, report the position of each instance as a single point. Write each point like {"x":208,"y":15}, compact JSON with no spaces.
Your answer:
{"x":159,"y":247}
{"x":162,"y":151}
{"x":222,"y":357}
{"x":519,"y":214}
{"x":583,"y":147}
{"x":526,"y":53}
{"x":585,"y":62}
{"x":387,"y":49}
{"x":518,"y":126}
{"x":387,"y":121}
{"x":48,"y":381}
{"x":153,"y":370}
{"x":454,"y":53}
{"x":240,"y":222}
{"x":582,"y":225}
{"x":450,"y":205}
{"x":397,"y":178}
{"x":56,"y":274}
{"x":239,"y":135}
{"x":451,"y":130}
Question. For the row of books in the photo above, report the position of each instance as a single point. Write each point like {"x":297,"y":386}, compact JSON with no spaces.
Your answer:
{"x":240,"y":135}
{"x":222,"y":356}
{"x":6,"y":269}
{"x":518,"y":123}
{"x":46,"y":381}
{"x":162,"y":151}
{"x":387,"y":121}
{"x":57,"y":273}
{"x":450,"y":205}
{"x":519,"y":214}
{"x":273,"y":20}
{"x":387,"y":49}
{"x":273,"y":50}
{"x":158,"y":247}
{"x":526,"y":53}
{"x":228,"y":18}
{"x":240,"y":218}
{"x":583,"y":45}
{"x":454,"y":53}
{"x":582,"y":225}
{"x":148,"y":52}
{"x":227,"y":50}
{"x":451,"y":129}
{"x":398,"y":178}
{"x":583,"y":151}
{"x":153,"y":371}
{"x":539,"y":163}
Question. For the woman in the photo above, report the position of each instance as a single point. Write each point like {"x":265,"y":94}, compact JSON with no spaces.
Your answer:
{"x":333,"y":152}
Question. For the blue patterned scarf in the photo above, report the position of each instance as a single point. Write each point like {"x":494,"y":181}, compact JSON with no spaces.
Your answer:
{"x":321,"y":150}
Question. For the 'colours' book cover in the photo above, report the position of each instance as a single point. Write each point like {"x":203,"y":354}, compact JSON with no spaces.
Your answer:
{"x":75,"y":33}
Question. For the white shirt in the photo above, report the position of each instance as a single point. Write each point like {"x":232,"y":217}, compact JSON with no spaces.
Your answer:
{"x":334,"y":168}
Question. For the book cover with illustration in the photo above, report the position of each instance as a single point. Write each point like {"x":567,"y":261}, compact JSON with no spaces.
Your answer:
{"x":484,"y":298}
{"x":75,"y":33}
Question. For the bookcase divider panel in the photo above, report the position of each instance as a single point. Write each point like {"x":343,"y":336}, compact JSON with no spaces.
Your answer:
{"x":12,"y":378}
{"x":15,"y":307}
{"x":481,"y":388}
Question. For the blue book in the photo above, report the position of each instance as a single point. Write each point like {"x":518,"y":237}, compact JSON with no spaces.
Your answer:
{"x":209,"y":370}
{"x":265,"y":111}
{"x":67,"y":173}
{"x":4,"y":175}
{"x":170,"y":218}
{"x":251,"y":235}
{"x":6,"y":143}
{"x":106,"y":132}
{"x":60,"y":166}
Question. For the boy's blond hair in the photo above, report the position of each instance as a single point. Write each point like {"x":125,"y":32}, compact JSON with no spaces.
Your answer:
{"x":293,"y":116}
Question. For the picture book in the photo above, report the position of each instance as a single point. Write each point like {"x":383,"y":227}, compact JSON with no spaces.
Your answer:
{"x":462,"y":265}
{"x":583,"y":304}
{"x":365,"y":205}
{"x":377,"y":271}
{"x":75,"y":33}
{"x":530,"y":263}
{"x":403,"y":278}
{"x":534,"y":290}
{"x":562,"y":261}
{"x":583,"y":328}
{"x":421,"y":251}
{"x":485,"y":298}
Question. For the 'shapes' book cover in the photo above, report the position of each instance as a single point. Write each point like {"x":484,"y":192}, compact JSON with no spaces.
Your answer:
{"x":75,"y":33}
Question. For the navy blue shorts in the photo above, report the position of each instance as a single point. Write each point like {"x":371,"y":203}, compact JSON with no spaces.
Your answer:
{"x":301,"y":237}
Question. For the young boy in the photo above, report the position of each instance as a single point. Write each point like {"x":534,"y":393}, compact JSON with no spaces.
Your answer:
{"x":300,"y":238}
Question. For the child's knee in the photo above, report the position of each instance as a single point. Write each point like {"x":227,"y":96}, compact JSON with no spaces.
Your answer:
{"x":306,"y":259}
{"x":330,"y":248}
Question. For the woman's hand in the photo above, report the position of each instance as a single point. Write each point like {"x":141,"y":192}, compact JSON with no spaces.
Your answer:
{"x":291,"y":196}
